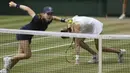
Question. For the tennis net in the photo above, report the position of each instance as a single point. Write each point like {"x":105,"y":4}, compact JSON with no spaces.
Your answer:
{"x":51,"y":53}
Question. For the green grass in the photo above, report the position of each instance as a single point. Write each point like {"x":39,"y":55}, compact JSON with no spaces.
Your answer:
{"x":49,"y":52}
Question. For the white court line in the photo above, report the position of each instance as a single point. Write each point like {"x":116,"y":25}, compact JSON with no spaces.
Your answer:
{"x":57,"y":55}
{"x":11,"y":43}
{"x":48,"y":48}
{"x":40,"y":55}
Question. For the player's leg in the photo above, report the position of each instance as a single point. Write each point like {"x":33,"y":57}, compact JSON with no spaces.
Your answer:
{"x":20,"y":50}
{"x":124,"y":4}
{"x":119,"y":52}
{"x":80,"y":43}
{"x":77,"y":50}
{"x":105,"y":49}
{"x":86,"y":47}
{"x":24,"y":53}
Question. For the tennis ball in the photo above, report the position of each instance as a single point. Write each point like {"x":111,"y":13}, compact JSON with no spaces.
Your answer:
{"x":70,"y":21}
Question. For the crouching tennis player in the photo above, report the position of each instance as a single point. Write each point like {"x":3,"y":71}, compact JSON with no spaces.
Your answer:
{"x":89,"y":25}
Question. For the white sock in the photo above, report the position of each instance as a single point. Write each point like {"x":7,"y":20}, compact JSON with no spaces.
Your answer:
{"x":77,"y":57}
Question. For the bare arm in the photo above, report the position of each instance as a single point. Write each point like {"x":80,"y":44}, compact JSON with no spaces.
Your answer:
{"x":60,"y":19}
{"x":75,"y":28}
{"x":23,"y":7}
{"x":57,"y":18}
{"x":29,"y":10}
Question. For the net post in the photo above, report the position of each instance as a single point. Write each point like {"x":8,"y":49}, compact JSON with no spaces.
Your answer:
{"x":100,"y":54}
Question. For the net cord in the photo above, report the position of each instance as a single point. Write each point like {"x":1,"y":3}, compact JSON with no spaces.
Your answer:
{"x":63,"y":34}
{"x":47,"y":33}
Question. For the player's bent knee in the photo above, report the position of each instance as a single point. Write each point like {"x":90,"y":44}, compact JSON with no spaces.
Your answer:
{"x":27,"y":56}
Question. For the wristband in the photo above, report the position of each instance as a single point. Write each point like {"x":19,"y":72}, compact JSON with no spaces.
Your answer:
{"x":18,"y":6}
{"x":62,"y":20}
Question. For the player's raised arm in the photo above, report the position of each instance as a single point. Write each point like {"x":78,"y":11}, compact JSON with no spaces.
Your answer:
{"x":23,"y":7}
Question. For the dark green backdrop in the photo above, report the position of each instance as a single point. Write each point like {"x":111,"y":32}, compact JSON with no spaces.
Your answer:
{"x":68,"y":7}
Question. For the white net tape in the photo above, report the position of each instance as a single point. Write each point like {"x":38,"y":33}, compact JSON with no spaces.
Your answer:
{"x":46,"y":33}
{"x":59,"y":34}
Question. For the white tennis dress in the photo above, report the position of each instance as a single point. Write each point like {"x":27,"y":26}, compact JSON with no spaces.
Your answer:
{"x":88,"y":24}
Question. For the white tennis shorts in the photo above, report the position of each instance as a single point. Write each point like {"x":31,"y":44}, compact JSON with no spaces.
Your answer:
{"x":95,"y":27}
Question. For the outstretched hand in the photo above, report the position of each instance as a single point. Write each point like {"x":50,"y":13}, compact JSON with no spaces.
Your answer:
{"x":12,"y":4}
{"x":69,"y":21}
